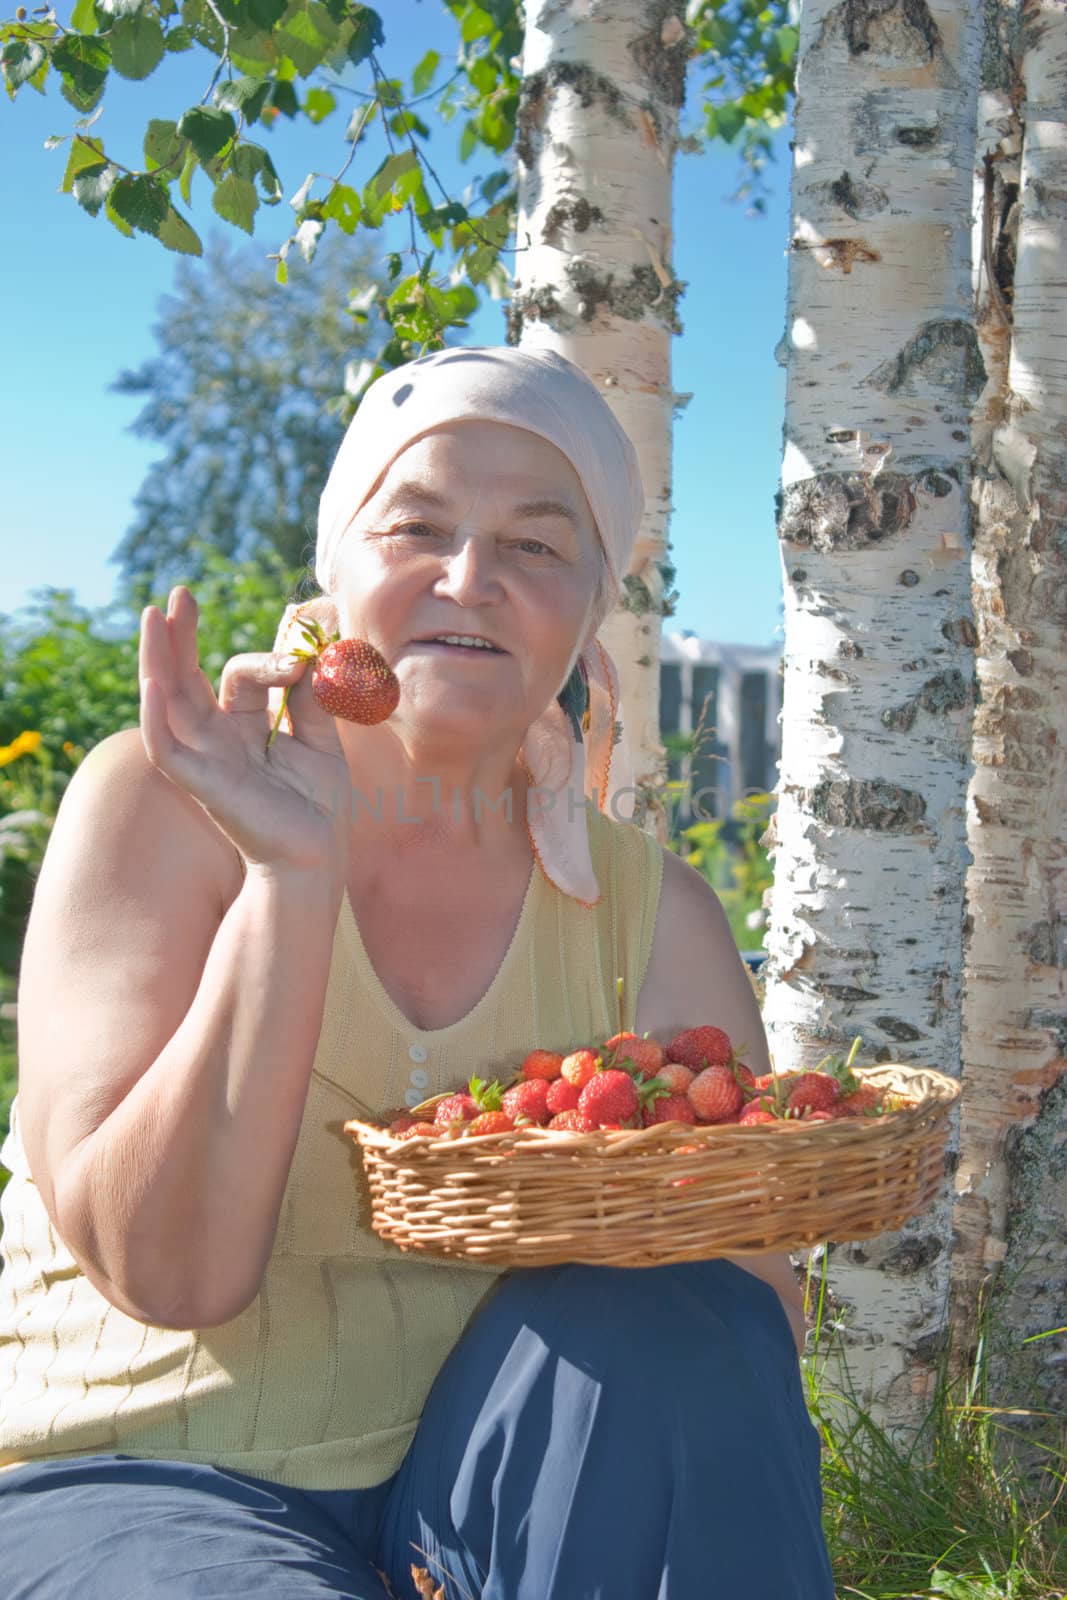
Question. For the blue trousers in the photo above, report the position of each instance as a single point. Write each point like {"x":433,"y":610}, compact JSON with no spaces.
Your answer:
{"x":598,"y":1433}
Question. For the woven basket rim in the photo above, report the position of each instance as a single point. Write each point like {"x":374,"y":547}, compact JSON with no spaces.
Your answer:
{"x":939,"y":1094}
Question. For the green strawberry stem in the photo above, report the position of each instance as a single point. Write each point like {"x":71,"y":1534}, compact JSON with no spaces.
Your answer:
{"x":278,"y":719}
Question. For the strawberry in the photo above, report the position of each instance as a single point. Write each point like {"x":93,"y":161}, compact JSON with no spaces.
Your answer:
{"x":562,"y":1095}
{"x":716,"y":1094}
{"x":669,"y":1108}
{"x":417,"y":1129}
{"x":700,"y":1047}
{"x":676,"y":1077}
{"x":864,"y":1101}
{"x":626,"y":1050}
{"x":754,"y":1113}
{"x":813,"y":1091}
{"x":744,"y":1075}
{"x":609,"y":1096}
{"x":527,"y":1099}
{"x":401,"y":1123}
{"x":574,"y":1121}
{"x":579,"y":1067}
{"x":820,"y":1116}
{"x":542,"y":1064}
{"x":488,"y":1122}
{"x":349,"y":679}
{"x":463,"y":1107}
{"x":454,"y":1107}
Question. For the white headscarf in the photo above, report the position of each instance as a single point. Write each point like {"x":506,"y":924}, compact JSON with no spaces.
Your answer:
{"x":547,"y":395}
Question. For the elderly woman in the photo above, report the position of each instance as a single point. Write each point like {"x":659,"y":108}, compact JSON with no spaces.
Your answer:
{"x":215,"y":1379}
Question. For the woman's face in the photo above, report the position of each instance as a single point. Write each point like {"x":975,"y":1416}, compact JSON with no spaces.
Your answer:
{"x":476,"y":528}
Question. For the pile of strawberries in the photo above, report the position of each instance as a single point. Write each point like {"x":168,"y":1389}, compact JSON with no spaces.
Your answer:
{"x":633,"y":1082}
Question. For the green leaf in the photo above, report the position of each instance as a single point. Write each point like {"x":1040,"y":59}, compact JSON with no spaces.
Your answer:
{"x":468,"y":141}
{"x":185,"y":181}
{"x":406,"y":122}
{"x":84,"y":19}
{"x":425,"y":72}
{"x":236,"y":201}
{"x":252,"y":162}
{"x":162,"y":144}
{"x":93,"y":184}
{"x":342,"y":206}
{"x":141,"y":202}
{"x":137,"y":46}
{"x":283,"y":97}
{"x":788,"y":38}
{"x":281,"y":273}
{"x":253,"y":51}
{"x":476,"y":24}
{"x":177,"y":39}
{"x":20,"y":59}
{"x":266,"y":13}
{"x":83,"y":60}
{"x":115,"y":220}
{"x":729,"y":121}
{"x":84,"y":152}
{"x":245,"y":95}
{"x":368,"y":34}
{"x":318,"y":103}
{"x":207,"y":130}
{"x":392,"y":170}
{"x":176,"y":234}
{"x":307,"y":35}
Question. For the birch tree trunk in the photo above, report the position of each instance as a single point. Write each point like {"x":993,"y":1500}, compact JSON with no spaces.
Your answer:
{"x":1012,"y":1179}
{"x":603,"y":82}
{"x":883,"y":370}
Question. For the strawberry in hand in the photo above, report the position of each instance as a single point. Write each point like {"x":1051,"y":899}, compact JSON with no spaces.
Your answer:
{"x":350,"y":678}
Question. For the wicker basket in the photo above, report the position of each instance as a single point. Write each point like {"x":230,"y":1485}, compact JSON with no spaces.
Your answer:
{"x":533,"y":1197}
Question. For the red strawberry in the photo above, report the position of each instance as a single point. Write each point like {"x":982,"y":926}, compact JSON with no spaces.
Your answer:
{"x":349,"y":679}
{"x":646,"y":1055}
{"x":700,"y":1047}
{"x":579,"y":1067}
{"x":542,"y":1064}
{"x":676,"y":1077}
{"x":669,"y":1108}
{"x":417,"y":1129}
{"x":755,"y":1113}
{"x":574,"y":1121}
{"x":813,"y":1091}
{"x":562,"y":1095}
{"x":716,"y":1094}
{"x":454,"y":1107}
{"x":743,"y":1075}
{"x":401,"y":1123}
{"x":821,"y":1116}
{"x":764,"y":1081}
{"x":488,"y":1122}
{"x":866,"y":1099}
{"x":609,"y":1096}
{"x":527,"y":1099}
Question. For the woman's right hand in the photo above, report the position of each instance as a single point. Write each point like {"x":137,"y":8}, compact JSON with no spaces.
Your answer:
{"x":286,"y":807}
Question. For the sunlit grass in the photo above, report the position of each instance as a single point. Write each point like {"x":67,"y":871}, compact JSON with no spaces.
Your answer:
{"x":970,"y":1505}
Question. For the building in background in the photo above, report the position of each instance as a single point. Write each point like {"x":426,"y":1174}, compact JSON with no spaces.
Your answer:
{"x":736,"y":690}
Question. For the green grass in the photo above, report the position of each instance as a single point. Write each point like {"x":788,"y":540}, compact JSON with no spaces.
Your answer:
{"x":968,"y":1506}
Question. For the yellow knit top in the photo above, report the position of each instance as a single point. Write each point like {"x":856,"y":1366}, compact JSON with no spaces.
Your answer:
{"x":320,"y":1383}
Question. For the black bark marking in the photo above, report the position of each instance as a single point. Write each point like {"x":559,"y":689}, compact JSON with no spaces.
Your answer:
{"x":629,"y":299}
{"x":939,"y":484}
{"x":855,"y":199}
{"x":948,"y":691}
{"x":845,"y":510}
{"x":908,"y":578}
{"x":919,"y":136}
{"x":540,"y":304}
{"x":663,"y":65}
{"x":850,"y":650}
{"x":901,"y":29}
{"x":1022,"y":661}
{"x":897,"y":1029}
{"x":960,"y":630}
{"x":943,"y":354}
{"x":588,"y":85}
{"x":1047,"y":943}
{"x":1055,"y":1022}
{"x":912,"y":1255}
{"x":578,"y":213}
{"x":873,"y":803}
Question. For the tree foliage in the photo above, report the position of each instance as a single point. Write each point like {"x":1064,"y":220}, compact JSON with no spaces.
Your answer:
{"x":247,"y":406}
{"x":284,"y":59}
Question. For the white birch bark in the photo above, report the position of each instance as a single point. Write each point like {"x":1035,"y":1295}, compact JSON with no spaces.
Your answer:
{"x":1012,"y":1180}
{"x":603,"y":81}
{"x":883,"y":369}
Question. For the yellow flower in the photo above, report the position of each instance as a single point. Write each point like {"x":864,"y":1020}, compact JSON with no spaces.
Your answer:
{"x":24,"y":745}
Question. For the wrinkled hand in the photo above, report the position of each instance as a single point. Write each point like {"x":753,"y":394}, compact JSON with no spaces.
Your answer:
{"x":288,"y":806}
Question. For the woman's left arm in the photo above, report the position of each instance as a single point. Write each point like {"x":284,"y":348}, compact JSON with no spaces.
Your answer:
{"x":695,"y":975}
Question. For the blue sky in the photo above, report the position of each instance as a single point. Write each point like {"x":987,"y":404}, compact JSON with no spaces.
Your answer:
{"x":80,"y":302}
